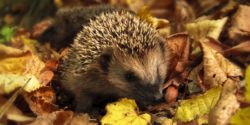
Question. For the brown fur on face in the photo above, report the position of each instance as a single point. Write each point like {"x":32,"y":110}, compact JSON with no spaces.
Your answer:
{"x":149,"y":70}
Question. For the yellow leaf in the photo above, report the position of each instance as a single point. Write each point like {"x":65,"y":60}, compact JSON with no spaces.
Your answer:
{"x":241,"y":117}
{"x":124,"y":112}
{"x":15,"y":65}
{"x":197,"y":106}
{"x":247,"y":94}
{"x":10,"y":82}
{"x":204,"y":28}
{"x":202,"y":121}
{"x":29,"y":44}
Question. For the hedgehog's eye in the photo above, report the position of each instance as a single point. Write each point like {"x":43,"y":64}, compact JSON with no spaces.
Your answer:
{"x":130,"y":76}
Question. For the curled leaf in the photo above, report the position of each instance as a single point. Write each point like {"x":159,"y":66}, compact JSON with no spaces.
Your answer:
{"x":226,"y":105}
{"x":217,"y":68}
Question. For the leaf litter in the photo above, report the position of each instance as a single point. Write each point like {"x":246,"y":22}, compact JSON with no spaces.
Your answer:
{"x":209,"y":46}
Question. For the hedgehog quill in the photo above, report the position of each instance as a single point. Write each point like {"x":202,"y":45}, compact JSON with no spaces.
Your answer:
{"x":114,"y":55}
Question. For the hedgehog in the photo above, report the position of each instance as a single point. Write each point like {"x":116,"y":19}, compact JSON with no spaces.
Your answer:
{"x":116,"y":54}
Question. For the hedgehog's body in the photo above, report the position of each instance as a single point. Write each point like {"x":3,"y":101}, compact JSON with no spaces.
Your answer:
{"x":115,"y":55}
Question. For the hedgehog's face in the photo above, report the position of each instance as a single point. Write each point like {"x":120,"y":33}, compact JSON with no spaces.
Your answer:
{"x":141,"y":77}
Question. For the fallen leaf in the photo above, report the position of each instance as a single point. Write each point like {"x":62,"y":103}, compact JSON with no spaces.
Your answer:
{"x":124,"y":112}
{"x":226,"y":105}
{"x":15,"y":65}
{"x":137,"y":5}
{"x":162,"y":25}
{"x":21,"y":64}
{"x":12,"y":112}
{"x":247,"y":94}
{"x":240,"y":24}
{"x":6,"y":51}
{"x":243,"y":47}
{"x":10,"y":82}
{"x":217,"y":69}
{"x":62,"y":118}
{"x":197,"y":106}
{"x":206,"y":28}
{"x":179,"y":46}
{"x":42,"y":100}
{"x":241,"y":117}
{"x":183,"y":14}
{"x":46,"y":77}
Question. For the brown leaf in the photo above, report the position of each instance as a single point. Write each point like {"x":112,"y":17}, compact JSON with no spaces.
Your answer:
{"x":41,"y":101}
{"x":46,"y":77}
{"x":179,"y":46}
{"x":184,"y":13}
{"x":6,"y":51}
{"x":226,"y":106}
{"x":243,"y":47}
{"x":62,"y":118}
{"x":240,"y":24}
{"x":40,"y":27}
{"x":13,"y":113}
{"x":51,"y":65}
{"x":217,"y":68}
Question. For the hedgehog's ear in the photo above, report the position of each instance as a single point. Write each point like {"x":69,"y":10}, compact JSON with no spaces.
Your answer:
{"x":105,"y":59}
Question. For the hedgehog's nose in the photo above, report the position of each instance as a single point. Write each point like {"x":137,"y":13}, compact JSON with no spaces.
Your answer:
{"x":158,"y":97}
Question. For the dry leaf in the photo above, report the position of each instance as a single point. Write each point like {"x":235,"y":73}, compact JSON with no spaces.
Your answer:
{"x":226,"y":106}
{"x":217,"y":69}
{"x":206,"y":28}
{"x":13,"y":113}
{"x":184,"y":14}
{"x":10,"y":82}
{"x":162,"y":25}
{"x":6,"y":51}
{"x":62,"y":118}
{"x":124,"y":112}
{"x":46,"y":77}
{"x":243,"y":47}
{"x":41,"y":101}
{"x":179,"y":46}
{"x":240,"y":24}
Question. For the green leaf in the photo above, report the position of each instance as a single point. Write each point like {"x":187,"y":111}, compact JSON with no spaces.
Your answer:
{"x":6,"y":33}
